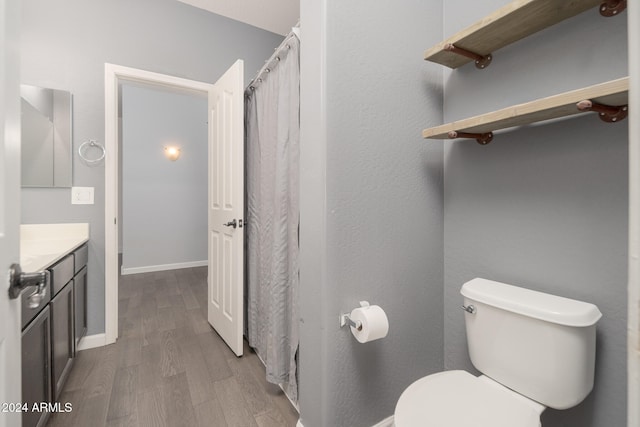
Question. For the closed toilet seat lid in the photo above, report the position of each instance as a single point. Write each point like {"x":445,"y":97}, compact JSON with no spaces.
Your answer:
{"x":459,"y":399}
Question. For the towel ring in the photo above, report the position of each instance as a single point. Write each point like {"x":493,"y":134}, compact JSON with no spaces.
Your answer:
{"x":91,"y":143}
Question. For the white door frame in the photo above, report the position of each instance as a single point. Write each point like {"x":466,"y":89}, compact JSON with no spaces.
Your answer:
{"x":113,"y":76}
{"x":633,"y":342}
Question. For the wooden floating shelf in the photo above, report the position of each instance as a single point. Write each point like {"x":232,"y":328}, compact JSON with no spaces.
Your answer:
{"x":507,"y":25}
{"x":612,"y":93}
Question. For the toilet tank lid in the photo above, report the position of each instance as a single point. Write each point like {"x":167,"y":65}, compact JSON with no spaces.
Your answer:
{"x":539,"y":305}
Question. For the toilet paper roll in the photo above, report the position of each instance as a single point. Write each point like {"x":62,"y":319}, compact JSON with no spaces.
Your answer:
{"x":375,"y":324}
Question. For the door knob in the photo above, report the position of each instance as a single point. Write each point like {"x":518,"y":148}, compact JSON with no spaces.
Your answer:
{"x":233,"y":224}
{"x":18,"y":281}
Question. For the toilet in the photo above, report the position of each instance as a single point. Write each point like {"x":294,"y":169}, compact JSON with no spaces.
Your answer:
{"x":534,"y":350}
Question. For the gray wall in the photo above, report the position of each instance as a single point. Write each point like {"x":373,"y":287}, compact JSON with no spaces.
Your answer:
{"x":164,"y":202}
{"x":371,"y":204}
{"x":544,"y":206}
{"x":65,"y":45}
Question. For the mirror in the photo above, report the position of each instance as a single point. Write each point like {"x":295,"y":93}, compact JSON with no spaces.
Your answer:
{"x":46,"y":137}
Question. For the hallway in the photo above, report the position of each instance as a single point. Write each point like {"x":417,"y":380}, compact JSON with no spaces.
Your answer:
{"x":169,"y":367}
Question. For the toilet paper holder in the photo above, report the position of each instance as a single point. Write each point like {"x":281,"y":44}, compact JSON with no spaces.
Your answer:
{"x":346,"y":320}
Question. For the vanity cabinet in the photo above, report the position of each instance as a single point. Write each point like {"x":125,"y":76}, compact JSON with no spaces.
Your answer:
{"x":36,"y":368}
{"x":54,"y":314}
{"x":52,"y":331}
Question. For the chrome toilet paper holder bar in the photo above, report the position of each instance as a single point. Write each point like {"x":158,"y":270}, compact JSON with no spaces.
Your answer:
{"x":346,"y":320}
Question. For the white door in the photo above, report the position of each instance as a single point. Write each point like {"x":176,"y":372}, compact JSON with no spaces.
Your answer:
{"x":226,"y":207}
{"x":10,"y":343}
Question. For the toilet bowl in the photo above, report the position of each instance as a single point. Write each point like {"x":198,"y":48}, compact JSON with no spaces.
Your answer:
{"x":535,"y":350}
{"x":459,"y":399}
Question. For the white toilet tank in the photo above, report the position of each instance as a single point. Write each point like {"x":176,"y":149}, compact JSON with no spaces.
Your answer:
{"x":540,"y":345}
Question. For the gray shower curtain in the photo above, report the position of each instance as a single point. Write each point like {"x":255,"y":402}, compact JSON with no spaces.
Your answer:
{"x":272,"y":147}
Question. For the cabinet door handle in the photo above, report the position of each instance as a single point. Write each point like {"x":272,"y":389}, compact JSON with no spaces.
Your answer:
{"x":35,"y":299}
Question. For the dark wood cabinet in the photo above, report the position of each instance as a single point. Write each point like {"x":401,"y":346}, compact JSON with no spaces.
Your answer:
{"x":51,"y":333}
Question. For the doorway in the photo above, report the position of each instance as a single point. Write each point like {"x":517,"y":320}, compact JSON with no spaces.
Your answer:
{"x":115,"y":76}
{"x":163,"y":179}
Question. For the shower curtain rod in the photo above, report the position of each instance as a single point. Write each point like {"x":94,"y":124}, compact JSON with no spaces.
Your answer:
{"x":274,"y":59}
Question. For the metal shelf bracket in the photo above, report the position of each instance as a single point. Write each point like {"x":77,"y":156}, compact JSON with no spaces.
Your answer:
{"x":612,"y":7}
{"x":481,"y":138}
{"x":607,"y":113}
{"x":481,"y":62}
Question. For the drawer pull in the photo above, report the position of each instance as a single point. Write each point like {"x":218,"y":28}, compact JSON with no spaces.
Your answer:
{"x":35,"y":299}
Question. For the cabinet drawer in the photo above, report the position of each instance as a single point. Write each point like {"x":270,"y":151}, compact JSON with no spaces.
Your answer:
{"x":80,"y":256}
{"x":61,"y":273}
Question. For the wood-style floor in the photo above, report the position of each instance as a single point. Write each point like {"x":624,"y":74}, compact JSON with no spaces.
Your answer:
{"x":169,"y":367}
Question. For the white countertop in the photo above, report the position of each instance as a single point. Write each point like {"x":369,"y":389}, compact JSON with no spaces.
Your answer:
{"x":41,"y":245}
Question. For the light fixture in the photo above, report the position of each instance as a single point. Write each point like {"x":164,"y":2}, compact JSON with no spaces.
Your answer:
{"x":172,"y":153}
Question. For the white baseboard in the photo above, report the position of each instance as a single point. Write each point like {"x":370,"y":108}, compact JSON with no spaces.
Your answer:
{"x":92,"y":341}
{"x":387,"y":422}
{"x":162,"y":267}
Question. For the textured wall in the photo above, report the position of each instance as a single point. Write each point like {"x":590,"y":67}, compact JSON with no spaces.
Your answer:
{"x":544,"y":206}
{"x":372,"y":227}
{"x":65,"y":45}
{"x":164,"y":202}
